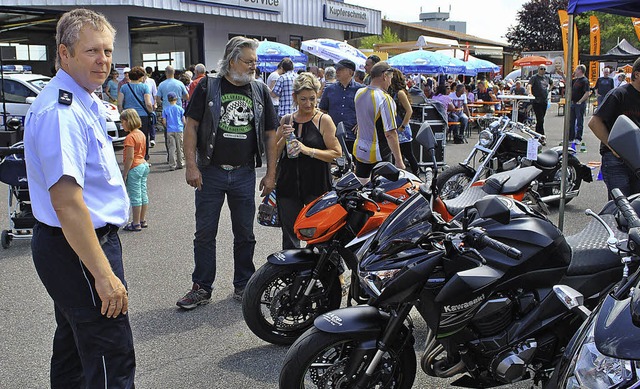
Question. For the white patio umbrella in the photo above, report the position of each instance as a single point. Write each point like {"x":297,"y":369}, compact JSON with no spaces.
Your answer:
{"x":333,"y":50}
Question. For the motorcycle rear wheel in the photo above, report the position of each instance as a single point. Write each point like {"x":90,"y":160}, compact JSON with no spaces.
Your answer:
{"x":269,"y":310}
{"x":318,"y":359}
{"x":453,"y":181}
{"x":573,"y":181}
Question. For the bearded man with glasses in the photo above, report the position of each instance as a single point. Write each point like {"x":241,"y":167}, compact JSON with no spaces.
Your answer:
{"x":230,"y":123}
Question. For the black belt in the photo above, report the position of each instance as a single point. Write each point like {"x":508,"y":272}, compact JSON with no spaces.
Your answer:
{"x":100,"y":232}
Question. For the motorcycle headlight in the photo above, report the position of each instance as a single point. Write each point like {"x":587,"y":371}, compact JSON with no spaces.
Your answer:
{"x":485,"y":138}
{"x":592,"y":369}
{"x":308,"y":232}
{"x":378,"y":280}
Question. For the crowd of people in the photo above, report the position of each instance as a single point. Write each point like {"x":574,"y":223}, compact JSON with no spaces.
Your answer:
{"x":218,"y":128}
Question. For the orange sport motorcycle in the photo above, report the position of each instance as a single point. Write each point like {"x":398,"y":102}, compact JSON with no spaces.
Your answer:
{"x":288,"y":292}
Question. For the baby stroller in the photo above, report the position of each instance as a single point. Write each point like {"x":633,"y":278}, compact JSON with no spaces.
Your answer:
{"x":13,"y":172}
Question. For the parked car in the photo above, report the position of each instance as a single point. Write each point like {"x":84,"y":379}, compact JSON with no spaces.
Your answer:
{"x":20,"y":88}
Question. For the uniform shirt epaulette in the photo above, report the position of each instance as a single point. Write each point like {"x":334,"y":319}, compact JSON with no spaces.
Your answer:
{"x":65,"y":97}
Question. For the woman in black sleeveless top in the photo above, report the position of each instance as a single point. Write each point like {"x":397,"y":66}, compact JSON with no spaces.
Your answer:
{"x":304,"y":178}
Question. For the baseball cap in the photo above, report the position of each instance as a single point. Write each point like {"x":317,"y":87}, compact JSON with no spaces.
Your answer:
{"x":172,"y":96}
{"x":345,"y":63}
{"x":126,"y":70}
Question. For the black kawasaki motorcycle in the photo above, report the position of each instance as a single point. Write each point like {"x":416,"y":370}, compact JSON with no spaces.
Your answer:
{"x":605,"y":352}
{"x":482,"y":283}
{"x":502,"y":146}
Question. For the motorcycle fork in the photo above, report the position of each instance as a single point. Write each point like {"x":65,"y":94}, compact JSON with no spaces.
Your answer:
{"x":383,"y":345}
{"x":315,"y":275}
{"x":486,"y":161}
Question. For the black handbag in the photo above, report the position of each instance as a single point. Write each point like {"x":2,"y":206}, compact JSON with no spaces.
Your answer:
{"x":151,"y":116}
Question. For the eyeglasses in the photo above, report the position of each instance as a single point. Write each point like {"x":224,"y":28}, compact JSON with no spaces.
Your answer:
{"x":542,"y":68}
{"x":248,"y":63}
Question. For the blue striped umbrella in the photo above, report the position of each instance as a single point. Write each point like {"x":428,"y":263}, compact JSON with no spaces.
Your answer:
{"x":275,"y":52}
{"x":429,"y":62}
{"x":333,"y":50}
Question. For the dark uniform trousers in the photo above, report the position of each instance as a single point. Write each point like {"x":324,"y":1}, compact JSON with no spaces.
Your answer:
{"x":89,"y":350}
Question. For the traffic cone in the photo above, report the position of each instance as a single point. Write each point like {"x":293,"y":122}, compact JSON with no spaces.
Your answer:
{"x":583,"y":147}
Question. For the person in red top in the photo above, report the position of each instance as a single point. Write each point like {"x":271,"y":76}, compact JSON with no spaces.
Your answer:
{"x":200,"y":72}
{"x":136,"y":169}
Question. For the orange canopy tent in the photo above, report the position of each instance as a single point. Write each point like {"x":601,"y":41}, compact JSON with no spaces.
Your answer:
{"x":533,"y":60}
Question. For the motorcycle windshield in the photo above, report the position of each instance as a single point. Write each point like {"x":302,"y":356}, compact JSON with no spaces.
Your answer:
{"x":348,"y":182}
{"x":327,"y":200}
{"x":402,"y":228}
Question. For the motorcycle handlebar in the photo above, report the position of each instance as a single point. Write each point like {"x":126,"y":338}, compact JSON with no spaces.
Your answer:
{"x":4,"y":151}
{"x":507,"y":250}
{"x":379,"y":195}
{"x":625,"y":207}
{"x":482,"y":240}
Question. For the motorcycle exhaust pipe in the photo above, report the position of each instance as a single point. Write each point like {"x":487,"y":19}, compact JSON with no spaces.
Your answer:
{"x":552,"y":198}
{"x":438,"y":368}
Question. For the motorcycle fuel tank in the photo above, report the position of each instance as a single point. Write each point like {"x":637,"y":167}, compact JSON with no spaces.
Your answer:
{"x":542,"y":244}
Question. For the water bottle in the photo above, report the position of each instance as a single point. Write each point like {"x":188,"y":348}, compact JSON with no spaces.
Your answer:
{"x":291,"y":143}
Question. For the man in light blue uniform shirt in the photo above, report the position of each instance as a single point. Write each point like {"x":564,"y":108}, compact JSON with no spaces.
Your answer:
{"x":79,"y":199}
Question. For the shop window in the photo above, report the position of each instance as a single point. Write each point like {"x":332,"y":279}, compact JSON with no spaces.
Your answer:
{"x":162,"y":60}
{"x":28,"y":52}
{"x":295,"y":41}
{"x":259,"y":38}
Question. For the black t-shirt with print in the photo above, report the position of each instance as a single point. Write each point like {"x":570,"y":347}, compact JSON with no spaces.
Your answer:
{"x":236,"y":135}
{"x":623,"y":100}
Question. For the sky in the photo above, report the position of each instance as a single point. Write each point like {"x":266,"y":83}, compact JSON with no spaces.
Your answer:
{"x":487,"y":19}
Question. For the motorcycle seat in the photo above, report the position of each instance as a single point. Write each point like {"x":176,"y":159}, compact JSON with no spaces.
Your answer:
{"x":511,"y":181}
{"x":589,"y":252}
{"x":547,"y":159}
{"x":468,"y":197}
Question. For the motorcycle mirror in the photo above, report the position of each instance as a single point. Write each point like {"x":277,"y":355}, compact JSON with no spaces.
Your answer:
{"x":572,"y":299}
{"x":635,"y":306}
{"x":494,"y":208}
{"x":340,"y":130}
{"x":624,"y":139}
{"x":425,"y":137}
{"x":346,"y":153}
{"x":386,"y":170}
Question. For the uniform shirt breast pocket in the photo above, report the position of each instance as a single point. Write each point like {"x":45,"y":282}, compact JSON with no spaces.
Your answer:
{"x":103,"y":153}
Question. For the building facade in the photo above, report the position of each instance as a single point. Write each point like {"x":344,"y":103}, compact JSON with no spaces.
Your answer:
{"x":180,"y":32}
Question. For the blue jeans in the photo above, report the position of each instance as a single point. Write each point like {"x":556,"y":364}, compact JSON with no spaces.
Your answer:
{"x":239,"y":186}
{"x":577,"y":120}
{"x":616,"y":174}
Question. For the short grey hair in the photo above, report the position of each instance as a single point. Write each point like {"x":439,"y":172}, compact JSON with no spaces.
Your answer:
{"x":232,"y":52}
{"x":330,"y":73}
{"x":70,"y":25}
{"x":200,"y":69}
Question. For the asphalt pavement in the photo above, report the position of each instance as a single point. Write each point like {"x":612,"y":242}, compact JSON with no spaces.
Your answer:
{"x":209,"y":347}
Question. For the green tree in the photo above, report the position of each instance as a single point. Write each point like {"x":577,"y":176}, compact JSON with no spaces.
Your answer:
{"x":387,"y":36}
{"x":613,"y":28}
{"x":538,"y":26}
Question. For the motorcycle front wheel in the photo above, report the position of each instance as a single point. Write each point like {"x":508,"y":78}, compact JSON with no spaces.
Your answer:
{"x":270,"y":310}
{"x":319,"y":359}
{"x":453,"y":181}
